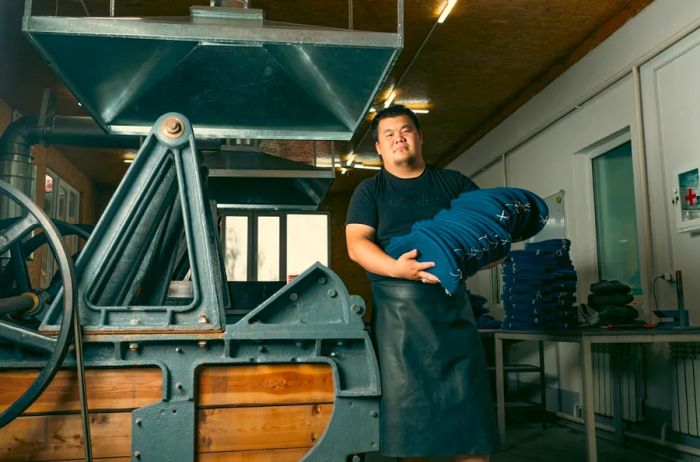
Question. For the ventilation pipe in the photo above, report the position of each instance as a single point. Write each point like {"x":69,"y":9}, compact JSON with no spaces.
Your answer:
{"x":16,"y":143}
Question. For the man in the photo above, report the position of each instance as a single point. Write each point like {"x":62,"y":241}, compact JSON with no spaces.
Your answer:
{"x":436,"y":398}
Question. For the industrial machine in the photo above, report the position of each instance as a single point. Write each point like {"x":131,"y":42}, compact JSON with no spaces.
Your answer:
{"x":134,"y":351}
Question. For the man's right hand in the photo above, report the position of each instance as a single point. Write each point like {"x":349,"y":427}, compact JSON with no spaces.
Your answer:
{"x":408,"y":267}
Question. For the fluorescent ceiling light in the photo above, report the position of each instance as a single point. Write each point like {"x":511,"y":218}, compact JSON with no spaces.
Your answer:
{"x":390,"y":99}
{"x":128,"y":161}
{"x":350,"y":158}
{"x":367,"y":167}
{"x":421,"y":111}
{"x":446,"y":11}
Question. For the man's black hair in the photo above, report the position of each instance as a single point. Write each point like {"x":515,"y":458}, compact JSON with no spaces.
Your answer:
{"x":392,"y":111}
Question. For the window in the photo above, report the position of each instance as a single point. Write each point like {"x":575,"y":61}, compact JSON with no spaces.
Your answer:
{"x":616,"y":217}
{"x":62,"y":202}
{"x":267,"y":246}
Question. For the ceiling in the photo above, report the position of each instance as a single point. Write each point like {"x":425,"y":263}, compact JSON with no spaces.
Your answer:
{"x":486,"y":60}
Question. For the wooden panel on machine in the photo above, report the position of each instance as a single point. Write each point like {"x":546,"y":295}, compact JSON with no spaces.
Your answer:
{"x":107,"y":389}
{"x":249,"y":413}
{"x":264,"y":384}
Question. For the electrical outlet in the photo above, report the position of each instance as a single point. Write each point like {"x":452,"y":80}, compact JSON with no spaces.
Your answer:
{"x":667,"y":277}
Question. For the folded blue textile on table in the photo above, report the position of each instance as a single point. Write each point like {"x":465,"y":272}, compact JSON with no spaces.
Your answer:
{"x":539,"y":286}
{"x":477,"y":229}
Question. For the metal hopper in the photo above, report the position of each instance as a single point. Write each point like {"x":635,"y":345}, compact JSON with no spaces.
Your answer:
{"x":231,"y":72}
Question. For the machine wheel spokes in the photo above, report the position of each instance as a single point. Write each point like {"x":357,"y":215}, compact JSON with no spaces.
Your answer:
{"x":14,"y":277}
{"x":11,"y":237}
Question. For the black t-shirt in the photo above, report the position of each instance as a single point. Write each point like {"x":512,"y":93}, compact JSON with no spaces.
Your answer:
{"x":391,"y":205}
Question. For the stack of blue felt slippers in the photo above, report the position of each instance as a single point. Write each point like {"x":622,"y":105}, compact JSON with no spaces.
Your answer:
{"x":477,"y":229}
{"x":481,"y":313}
{"x":540,"y":287}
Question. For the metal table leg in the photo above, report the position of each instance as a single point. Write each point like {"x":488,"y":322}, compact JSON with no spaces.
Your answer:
{"x":588,"y":406}
{"x":500,"y":390}
{"x":543,"y":385}
{"x":616,"y":366}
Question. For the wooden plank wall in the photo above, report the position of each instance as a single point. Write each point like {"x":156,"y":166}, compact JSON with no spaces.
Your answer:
{"x":251,"y":413}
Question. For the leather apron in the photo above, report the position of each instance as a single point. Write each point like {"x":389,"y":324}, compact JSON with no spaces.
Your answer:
{"x":436,"y":399}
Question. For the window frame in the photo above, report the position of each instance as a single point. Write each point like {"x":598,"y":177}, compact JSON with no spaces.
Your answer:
{"x":252,"y":216}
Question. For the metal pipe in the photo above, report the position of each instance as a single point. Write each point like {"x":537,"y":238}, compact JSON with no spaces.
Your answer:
{"x":679,"y":290}
{"x":27,"y":301}
{"x":22,"y":134}
{"x":642,"y":183}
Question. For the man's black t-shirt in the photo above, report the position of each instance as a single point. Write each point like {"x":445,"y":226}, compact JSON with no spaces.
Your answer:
{"x":391,"y":205}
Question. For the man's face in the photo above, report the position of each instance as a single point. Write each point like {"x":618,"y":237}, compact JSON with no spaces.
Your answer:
{"x":400,"y":143}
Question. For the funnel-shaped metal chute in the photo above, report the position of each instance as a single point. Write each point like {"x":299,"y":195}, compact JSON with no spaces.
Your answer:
{"x":242,"y":177}
{"x":229,"y":71}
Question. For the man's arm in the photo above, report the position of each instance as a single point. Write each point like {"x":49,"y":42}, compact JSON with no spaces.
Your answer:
{"x":365,"y":252}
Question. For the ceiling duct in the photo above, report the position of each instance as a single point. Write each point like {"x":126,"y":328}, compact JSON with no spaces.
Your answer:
{"x":232,"y":73}
{"x":243,"y":177}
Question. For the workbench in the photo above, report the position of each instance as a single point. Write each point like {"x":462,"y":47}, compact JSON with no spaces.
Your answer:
{"x":585,"y":338}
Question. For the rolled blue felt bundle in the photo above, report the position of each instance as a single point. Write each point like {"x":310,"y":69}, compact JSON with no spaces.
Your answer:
{"x":475,"y":230}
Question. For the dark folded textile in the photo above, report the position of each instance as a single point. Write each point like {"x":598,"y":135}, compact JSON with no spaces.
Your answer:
{"x":477,"y":229}
{"x":597,"y":300}
{"x":609,"y":287}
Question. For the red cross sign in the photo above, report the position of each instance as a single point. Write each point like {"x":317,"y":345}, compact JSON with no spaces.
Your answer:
{"x":690,"y":197}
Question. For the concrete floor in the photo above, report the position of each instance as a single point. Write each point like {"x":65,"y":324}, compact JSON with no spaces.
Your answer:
{"x":528,"y":442}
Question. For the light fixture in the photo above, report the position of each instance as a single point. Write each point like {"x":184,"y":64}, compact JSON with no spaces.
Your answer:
{"x":446,"y":11}
{"x":343,"y":170}
{"x":367,"y":167}
{"x":128,"y":157}
{"x":390,"y":99}
{"x":421,"y":111}
{"x":372,"y":109}
{"x":351,"y":157}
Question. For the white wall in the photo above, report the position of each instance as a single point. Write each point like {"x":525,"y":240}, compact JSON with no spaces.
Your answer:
{"x":546,"y":142}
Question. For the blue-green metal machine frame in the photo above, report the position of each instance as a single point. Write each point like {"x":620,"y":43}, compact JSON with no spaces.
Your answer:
{"x":160,"y":212}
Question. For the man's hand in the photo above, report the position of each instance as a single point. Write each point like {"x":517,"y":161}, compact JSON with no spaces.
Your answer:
{"x":407,"y":267}
{"x":363,"y":250}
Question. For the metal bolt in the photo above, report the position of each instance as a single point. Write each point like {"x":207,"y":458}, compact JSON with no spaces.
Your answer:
{"x":178,"y":386}
{"x":173,"y":127}
{"x":134,"y":347}
{"x":138,"y":422}
{"x":357,"y":309}
{"x":333,"y":354}
{"x":202,"y":344}
{"x":202,"y":319}
{"x":137,"y":454}
{"x":178,"y":350}
{"x":373,"y":413}
{"x":332,"y":293}
{"x":293,"y":296}
{"x":322,"y":280}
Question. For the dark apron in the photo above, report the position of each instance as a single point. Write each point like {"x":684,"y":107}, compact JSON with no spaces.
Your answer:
{"x":436,"y":399}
